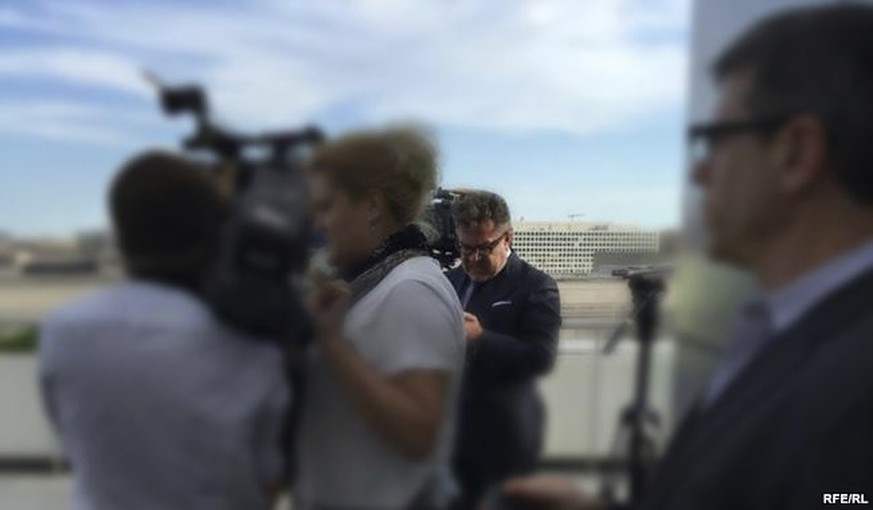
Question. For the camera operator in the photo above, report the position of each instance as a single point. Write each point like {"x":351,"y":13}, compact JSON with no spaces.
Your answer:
{"x":383,"y":376}
{"x":157,"y":404}
{"x":788,"y":179}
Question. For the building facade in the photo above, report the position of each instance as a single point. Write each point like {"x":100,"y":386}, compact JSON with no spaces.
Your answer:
{"x":566,"y":250}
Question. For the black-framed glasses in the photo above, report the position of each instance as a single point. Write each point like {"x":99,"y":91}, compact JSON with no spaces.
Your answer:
{"x":483,"y":249}
{"x":704,"y":136}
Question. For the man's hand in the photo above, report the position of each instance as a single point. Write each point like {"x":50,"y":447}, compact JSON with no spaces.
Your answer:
{"x":547,"y":492}
{"x":472,"y":327}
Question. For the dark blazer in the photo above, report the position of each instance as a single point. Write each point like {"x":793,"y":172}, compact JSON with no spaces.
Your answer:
{"x":795,"y":424}
{"x":501,"y":414}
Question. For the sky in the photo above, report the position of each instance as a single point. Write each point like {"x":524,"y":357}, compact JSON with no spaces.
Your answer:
{"x":566,"y":107}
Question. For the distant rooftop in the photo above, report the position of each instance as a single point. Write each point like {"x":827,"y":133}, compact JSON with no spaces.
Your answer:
{"x":574,"y":226}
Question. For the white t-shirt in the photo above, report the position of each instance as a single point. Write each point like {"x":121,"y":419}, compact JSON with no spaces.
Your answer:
{"x":158,"y":405}
{"x":411,"y":320}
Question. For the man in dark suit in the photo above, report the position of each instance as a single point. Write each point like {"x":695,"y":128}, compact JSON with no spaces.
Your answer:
{"x":512,"y":317}
{"x":787,"y":172}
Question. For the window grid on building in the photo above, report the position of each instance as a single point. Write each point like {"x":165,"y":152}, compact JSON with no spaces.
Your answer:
{"x":566,"y":249}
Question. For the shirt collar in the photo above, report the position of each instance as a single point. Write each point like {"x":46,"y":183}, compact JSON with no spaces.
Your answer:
{"x":507,"y":266}
{"x":788,"y":304}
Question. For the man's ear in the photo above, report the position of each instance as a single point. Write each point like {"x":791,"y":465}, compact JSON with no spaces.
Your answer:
{"x":801,"y":152}
{"x":509,"y":235}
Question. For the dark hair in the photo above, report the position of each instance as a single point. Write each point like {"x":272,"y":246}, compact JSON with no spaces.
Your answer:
{"x":167,"y":215}
{"x":478,"y":206}
{"x":818,"y":61}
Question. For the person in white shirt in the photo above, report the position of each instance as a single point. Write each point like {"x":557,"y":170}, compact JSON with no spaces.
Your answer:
{"x":157,"y":404}
{"x":382,"y":378}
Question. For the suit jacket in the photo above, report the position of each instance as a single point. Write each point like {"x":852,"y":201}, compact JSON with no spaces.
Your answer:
{"x":795,"y":424}
{"x":501,"y":414}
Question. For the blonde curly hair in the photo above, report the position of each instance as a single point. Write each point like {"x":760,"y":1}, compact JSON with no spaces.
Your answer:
{"x":401,"y":162}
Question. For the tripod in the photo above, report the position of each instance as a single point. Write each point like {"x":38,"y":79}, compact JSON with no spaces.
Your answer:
{"x":637,"y":421}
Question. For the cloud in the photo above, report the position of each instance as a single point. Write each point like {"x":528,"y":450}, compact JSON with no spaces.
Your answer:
{"x":71,"y":122}
{"x":80,"y":67}
{"x":577,"y":66}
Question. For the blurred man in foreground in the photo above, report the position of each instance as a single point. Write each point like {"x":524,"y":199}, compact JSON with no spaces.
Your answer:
{"x":157,"y":405}
{"x":512,"y":318}
{"x":787,"y":171}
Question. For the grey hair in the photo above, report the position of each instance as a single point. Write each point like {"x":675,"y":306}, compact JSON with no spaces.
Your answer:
{"x":478,"y":206}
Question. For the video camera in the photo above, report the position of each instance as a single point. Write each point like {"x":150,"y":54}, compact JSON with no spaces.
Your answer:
{"x":267,"y":241}
{"x":445,"y":247}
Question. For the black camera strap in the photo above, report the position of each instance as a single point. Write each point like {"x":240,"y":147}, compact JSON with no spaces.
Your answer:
{"x":399,"y":247}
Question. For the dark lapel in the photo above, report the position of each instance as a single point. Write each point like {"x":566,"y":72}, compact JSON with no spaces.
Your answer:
{"x":758,"y":386}
{"x":502,"y":285}
{"x":459,"y":280}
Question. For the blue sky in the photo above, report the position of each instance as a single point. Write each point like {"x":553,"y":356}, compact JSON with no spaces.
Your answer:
{"x":564,"y":106}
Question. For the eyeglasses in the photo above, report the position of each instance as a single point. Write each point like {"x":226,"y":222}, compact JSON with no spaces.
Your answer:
{"x":704,"y":137}
{"x":483,"y":249}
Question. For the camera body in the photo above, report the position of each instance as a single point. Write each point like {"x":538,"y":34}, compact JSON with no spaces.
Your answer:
{"x":439,"y":217}
{"x":254,"y":283}
{"x":264,"y":251}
